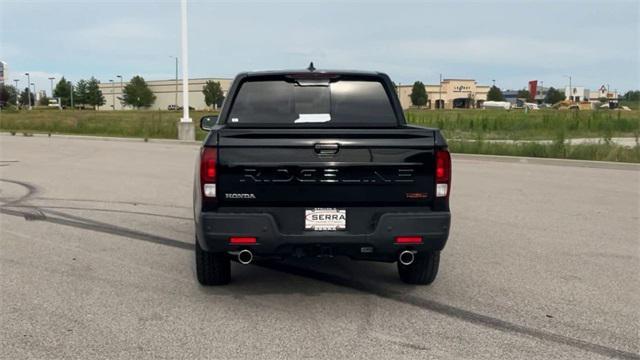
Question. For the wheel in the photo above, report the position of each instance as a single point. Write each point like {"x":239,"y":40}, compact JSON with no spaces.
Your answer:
{"x":422,"y":271}
{"x":212,"y":268}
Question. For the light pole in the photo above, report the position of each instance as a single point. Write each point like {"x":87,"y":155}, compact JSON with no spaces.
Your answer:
{"x":28,"y":90}
{"x":570,"y":88}
{"x":185,"y":64}
{"x":51,"y":79}
{"x":113,"y":96}
{"x":121,"y":89}
{"x":71,"y":94}
{"x":175,"y":102}
{"x":440,"y":105}
{"x":17,"y":91}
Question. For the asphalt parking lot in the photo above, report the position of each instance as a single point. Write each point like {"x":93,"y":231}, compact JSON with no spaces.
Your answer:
{"x":96,"y":261}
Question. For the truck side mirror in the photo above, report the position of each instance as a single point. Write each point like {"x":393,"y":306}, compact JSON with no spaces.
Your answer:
{"x":207,"y":122}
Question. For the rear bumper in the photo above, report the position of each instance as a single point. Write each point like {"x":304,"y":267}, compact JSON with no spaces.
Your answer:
{"x":214,"y":230}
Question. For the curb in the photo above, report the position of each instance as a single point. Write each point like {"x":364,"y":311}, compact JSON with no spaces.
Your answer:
{"x":102,"y":138}
{"x":460,"y":156}
{"x":549,"y":161}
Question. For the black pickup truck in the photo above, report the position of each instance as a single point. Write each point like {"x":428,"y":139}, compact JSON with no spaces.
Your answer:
{"x":319,"y":163}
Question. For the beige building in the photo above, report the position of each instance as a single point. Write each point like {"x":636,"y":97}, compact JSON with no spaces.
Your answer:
{"x":166,"y":91}
{"x":450,"y":94}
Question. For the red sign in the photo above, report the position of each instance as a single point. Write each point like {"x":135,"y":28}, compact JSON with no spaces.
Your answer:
{"x":533,"y":87}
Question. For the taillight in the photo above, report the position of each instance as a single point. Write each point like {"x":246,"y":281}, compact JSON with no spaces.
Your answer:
{"x":242,"y":240}
{"x":408,"y":239}
{"x":208,"y":163}
{"x":443,"y":173}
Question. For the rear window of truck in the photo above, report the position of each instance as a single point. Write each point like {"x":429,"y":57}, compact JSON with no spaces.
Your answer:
{"x":312,"y":103}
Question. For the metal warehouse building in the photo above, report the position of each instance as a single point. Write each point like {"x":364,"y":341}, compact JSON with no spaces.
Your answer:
{"x":451,"y":93}
{"x":167,"y":92}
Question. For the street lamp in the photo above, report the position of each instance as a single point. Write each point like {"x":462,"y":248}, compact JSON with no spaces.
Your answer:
{"x":440,"y":105}
{"x":113,"y":96}
{"x":175,"y":102}
{"x":71,"y":92}
{"x":28,"y":90}
{"x":570,"y":88}
{"x":121,"y":88}
{"x":17,"y":91}
{"x":51,"y":79}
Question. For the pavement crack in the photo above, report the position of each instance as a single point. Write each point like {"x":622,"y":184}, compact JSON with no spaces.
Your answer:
{"x":47,"y":208}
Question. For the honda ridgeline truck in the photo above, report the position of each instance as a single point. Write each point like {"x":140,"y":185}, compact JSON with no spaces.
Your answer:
{"x":319,"y":163}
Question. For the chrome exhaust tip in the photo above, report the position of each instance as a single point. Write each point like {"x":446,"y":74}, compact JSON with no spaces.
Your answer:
{"x":245,"y":257}
{"x":406,"y":258}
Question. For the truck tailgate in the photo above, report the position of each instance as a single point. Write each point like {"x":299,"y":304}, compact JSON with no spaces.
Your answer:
{"x":326,"y":167}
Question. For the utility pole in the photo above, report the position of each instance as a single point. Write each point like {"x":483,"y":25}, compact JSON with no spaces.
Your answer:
{"x":121,"y":90}
{"x":570,"y":88}
{"x":17,"y":91}
{"x":186,"y":130}
{"x":28,"y":90}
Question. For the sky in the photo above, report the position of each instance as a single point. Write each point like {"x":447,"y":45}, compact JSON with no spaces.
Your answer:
{"x":510,"y":42}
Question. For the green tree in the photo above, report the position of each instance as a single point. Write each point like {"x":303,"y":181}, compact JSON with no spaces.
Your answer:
{"x":632,"y":95}
{"x":137,"y":93}
{"x":553,"y":96}
{"x":63,"y":92}
{"x":418,"y":94}
{"x":524,"y":94}
{"x":80,"y":93}
{"x":495,"y":94}
{"x":212,"y":93}
{"x":8,"y":95}
{"x":27,"y":95}
{"x":94,"y":94}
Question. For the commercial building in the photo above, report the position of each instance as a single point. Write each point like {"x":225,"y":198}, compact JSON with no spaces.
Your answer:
{"x":603,"y":93}
{"x":577,"y":93}
{"x":449,"y":94}
{"x":167,"y":92}
{"x":541,"y":94}
{"x":4,"y":72}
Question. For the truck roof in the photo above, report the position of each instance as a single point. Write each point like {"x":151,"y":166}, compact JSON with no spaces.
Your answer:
{"x":303,"y":72}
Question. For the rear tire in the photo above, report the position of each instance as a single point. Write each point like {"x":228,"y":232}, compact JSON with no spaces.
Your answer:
{"x":422,"y":271}
{"x":212,"y":268}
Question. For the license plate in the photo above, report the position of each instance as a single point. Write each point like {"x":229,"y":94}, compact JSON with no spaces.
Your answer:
{"x":325,"y":219}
